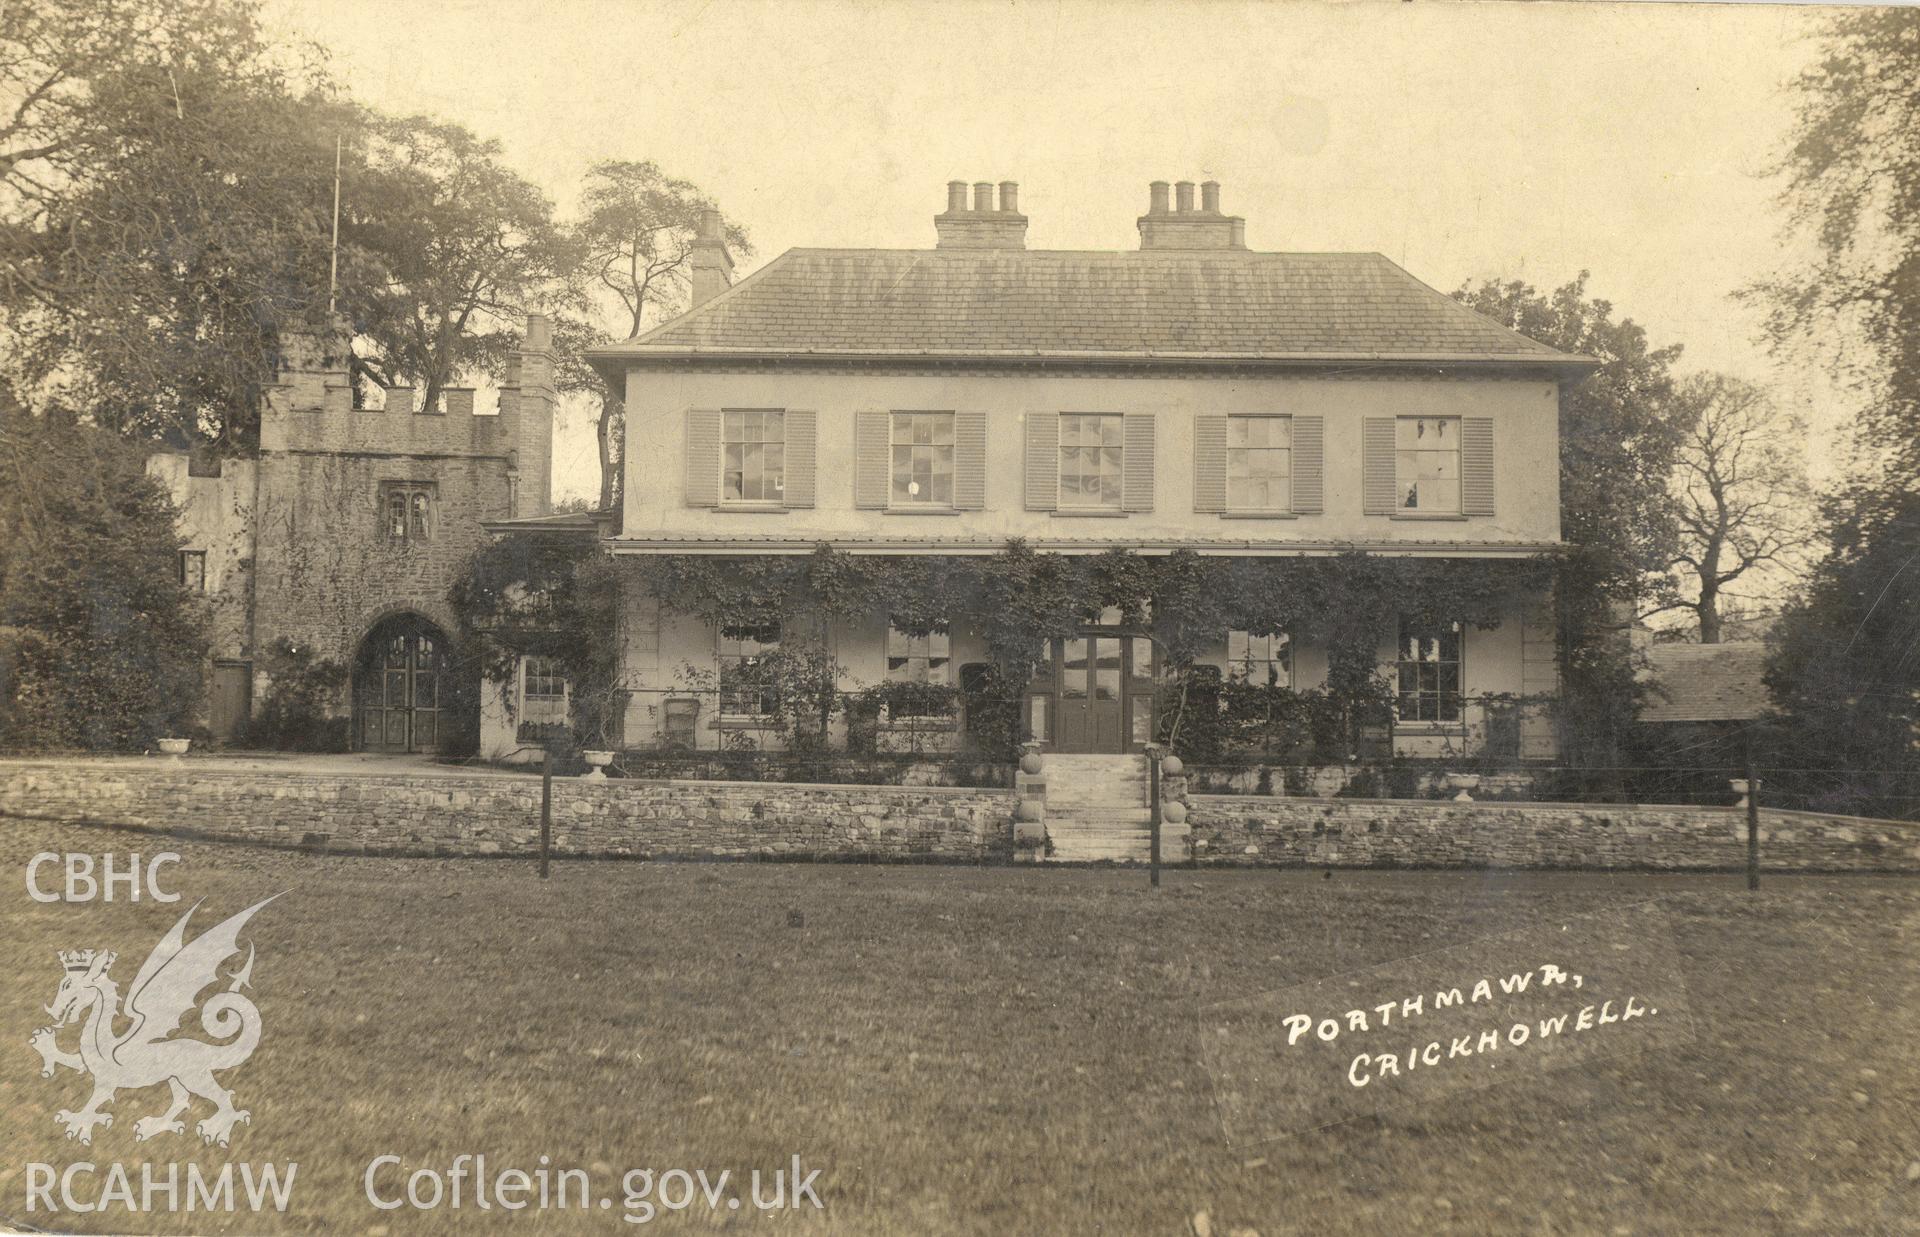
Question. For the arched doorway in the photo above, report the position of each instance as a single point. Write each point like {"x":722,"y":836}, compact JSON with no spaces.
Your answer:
{"x":398,"y":686}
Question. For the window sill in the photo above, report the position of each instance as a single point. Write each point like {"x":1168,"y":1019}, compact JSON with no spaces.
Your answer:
{"x":1429,"y":728}
{"x":923,"y":726}
{"x":926,"y":510}
{"x":1259,"y":515}
{"x":743,"y":721}
{"x":1095,"y":513}
{"x":753,"y":508}
{"x":1431,"y":515}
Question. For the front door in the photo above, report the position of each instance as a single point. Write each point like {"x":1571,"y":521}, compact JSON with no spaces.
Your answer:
{"x":1094,"y":693}
{"x":398,"y":689}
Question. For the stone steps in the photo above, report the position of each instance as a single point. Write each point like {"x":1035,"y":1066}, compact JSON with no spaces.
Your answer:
{"x":1098,"y":811}
{"x":1095,"y":781}
{"x":1078,"y":841}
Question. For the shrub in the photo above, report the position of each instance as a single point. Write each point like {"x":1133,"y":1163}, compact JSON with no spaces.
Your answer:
{"x":100,"y":646}
{"x":300,"y":710}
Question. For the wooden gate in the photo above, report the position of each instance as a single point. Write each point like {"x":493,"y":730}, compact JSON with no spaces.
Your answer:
{"x":397,"y":687}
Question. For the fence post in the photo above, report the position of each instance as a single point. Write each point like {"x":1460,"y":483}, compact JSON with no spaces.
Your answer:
{"x":1753,"y":821}
{"x":1153,"y":816}
{"x":546,"y":814}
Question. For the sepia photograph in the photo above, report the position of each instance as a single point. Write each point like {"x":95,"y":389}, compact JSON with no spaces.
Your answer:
{"x":887,"y":617}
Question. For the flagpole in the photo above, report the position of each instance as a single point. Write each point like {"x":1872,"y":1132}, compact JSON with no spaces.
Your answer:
{"x":333,"y":267}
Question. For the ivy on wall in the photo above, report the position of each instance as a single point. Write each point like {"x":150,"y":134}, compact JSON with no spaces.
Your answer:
{"x":530,"y":596}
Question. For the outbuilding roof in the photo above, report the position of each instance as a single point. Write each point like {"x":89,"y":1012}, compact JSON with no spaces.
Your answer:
{"x":1706,"y":682}
{"x":1227,"y":305}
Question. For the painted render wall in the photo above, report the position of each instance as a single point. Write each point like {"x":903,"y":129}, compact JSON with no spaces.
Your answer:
{"x":216,"y":517}
{"x":1525,"y":412}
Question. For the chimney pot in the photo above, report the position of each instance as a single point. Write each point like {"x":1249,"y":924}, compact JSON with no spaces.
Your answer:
{"x":1157,"y":194}
{"x":1183,"y":196}
{"x":1210,"y":196}
{"x":980,"y":226}
{"x":1237,"y":234}
{"x":711,"y":230}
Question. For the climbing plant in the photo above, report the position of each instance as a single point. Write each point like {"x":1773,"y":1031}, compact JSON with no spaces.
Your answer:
{"x":521,"y":596}
{"x":529,"y":596}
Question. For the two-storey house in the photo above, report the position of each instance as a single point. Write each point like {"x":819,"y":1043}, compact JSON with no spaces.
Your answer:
{"x":1192,"y":393}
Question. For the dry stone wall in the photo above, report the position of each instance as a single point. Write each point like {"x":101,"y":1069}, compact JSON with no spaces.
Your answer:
{"x":1234,"y":830}
{"x":488,"y":813}
{"x":496,"y":813}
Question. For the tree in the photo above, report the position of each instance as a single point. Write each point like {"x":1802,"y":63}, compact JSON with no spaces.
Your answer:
{"x":1852,"y":169}
{"x":62,"y":67}
{"x":460,"y":247}
{"x":163,"y":211}
{"x":636,"y":229}
{"x":1620,"y":430}
{"x":100,"y":645}
{"x":1846,"y":670}
{"x":1741,"y":491}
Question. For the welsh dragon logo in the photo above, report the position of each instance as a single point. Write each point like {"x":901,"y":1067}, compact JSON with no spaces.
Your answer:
{"x":162,"y":994}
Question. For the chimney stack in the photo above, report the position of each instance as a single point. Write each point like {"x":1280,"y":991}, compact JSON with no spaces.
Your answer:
{"x":983,"y":226}
{"x":527,"y":403}
{"x":1184,"y":227}
{"x":708,"y":261}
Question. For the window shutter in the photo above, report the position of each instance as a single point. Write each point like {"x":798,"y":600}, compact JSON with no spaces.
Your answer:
{"x":798,"y":488}
{"x":872,"y":459}
{"x":1377,"y":466}
{"x":970,"y":460}
{"x":1136,"y":464}
{"x":703,"y":457}
{"x":1309,"y":471}
{"x":1209,"y":463}
{"x":1476,"y":465}
{"x":1043,"y":461}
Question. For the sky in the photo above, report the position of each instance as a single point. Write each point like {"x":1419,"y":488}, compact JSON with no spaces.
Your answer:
{"x":1462,"y":140}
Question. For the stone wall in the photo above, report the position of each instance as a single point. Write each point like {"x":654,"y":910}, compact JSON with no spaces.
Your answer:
{"x":1230,"y":830}
{"x":429,"y":811}
{"x":484,"y":813}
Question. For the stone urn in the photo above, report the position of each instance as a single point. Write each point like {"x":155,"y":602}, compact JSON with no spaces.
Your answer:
{"x":1740,"y":787}
{"x":1031,"y":763}
{"x":1173,"y":812}
{"x":1464,"y":784}
{"x":597,"y":762}
{"x":175,"y":748}
{"x":1172,"y":766}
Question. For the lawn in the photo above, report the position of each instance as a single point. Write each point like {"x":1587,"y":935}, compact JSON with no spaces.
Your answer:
{"x":991,"y":1051}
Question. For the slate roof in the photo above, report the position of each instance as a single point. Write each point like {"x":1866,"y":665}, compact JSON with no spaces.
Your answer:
{"x":1210,"y":305}
{"x":1705,"y":682}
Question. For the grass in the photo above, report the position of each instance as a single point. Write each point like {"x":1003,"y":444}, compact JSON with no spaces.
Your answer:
{"x":987,"y":1051}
